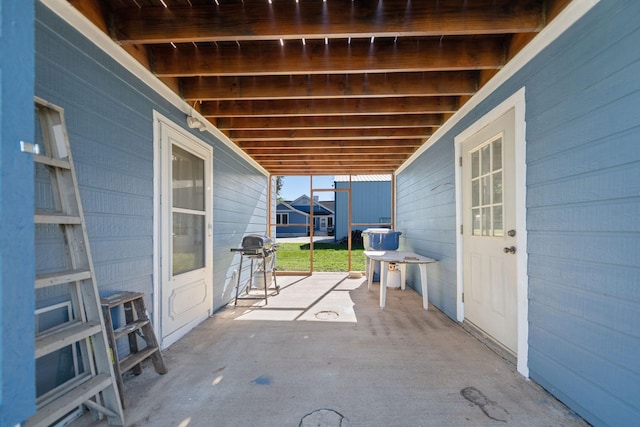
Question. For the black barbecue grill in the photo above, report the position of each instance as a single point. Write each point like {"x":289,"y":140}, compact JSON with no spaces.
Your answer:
{"x":262,"y":250}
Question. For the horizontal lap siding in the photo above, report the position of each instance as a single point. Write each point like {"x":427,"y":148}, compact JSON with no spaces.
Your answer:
{"x":583,"y":205}
{"x":239,"y":208}
{"x":17,"y":365}
{"x":109,"y":115}
{"x":426,"y":216}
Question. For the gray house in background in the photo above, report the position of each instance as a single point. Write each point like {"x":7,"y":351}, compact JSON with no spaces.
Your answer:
{"x":564,"y":204}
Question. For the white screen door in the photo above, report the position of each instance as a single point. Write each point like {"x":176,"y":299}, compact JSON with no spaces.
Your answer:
{"x":186,"y":285}
{"x":489,"y":223}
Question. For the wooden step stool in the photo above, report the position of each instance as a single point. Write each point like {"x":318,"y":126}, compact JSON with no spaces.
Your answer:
{"x":137,"y":323}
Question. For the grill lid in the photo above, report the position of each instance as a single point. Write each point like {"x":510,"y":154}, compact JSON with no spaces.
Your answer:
{"x":257,"y":241}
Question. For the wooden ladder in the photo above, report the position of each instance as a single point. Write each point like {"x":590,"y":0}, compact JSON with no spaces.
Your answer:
{"x":84,"y":331}
{"x":137,"y":323}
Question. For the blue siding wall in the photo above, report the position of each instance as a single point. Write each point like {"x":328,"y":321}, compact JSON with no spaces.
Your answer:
{"x":583,"y":202}
{"x":109,"y":115}
{"x":426,"y":216}
{"x":370,"y":204}
{"x":17,"y":365}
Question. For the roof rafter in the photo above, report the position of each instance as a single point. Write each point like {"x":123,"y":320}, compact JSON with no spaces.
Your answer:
{"x":315,"y":86}
{"x":252,"y":21}
{"x":384,"y":56}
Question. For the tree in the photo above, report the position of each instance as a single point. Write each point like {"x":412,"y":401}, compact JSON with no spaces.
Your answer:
{"x":279,"y":183}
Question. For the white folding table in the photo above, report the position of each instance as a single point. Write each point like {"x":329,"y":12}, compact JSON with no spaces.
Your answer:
{"x":402,"y":259}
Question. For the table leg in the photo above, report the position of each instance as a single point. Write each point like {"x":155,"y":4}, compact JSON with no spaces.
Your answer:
{"x":423,"y":281}
{"x":384,"y":268}
{"x":370,"y":273}
{"x":403,"y":275}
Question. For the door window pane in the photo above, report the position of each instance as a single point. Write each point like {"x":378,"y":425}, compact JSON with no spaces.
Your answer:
{"x":497,"y":187}
{"x":486,"y":221}
{"x":496,"y":154}
{"x":498,"y":228}
{"x":475,"y":193}
{"x":477,"y":230}
{"x":486,"y":189}
{"x":475,"y":164}
{"x":485,"y":159}
{"x":188,"y":180}
{"x":188,"y":242}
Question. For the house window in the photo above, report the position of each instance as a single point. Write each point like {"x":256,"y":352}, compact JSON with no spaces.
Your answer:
{"x":330,"y":222}
{"x":282,"y":218}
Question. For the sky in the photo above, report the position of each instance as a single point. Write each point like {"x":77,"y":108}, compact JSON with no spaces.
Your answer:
{"x":295,"y":186}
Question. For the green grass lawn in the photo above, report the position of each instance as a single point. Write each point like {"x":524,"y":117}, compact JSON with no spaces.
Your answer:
{"x":327,"y":257}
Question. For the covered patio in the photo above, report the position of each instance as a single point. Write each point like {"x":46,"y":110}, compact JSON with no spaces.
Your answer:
{"x":323,"y":353}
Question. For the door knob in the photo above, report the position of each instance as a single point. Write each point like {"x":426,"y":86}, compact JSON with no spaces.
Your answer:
{"x":510,"y":250}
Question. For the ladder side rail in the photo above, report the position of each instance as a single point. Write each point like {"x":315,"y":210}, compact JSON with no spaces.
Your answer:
{"x":50,"y":117}
{"x":84,"y":296}
{"x":149,"y":336}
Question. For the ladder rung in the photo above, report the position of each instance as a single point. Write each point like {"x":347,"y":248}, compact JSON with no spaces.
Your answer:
{"x":134,"y":358}
{"x":70,"y":333}
{"x":41,"y":217}
{"x":120,"y":298}
{"x":52,"y":279}
{"x":52,"y":161}
{"x":69,"y":400}
{"x":130,"y":327}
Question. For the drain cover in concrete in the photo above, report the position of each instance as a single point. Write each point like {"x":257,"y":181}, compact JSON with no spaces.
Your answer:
{"x":327,"y":315}
{"x":324,"y":418}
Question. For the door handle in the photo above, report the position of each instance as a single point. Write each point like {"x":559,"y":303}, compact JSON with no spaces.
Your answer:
{"x":510,"y":250}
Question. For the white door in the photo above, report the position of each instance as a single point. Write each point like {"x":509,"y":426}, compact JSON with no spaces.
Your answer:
{"x":187,"y":235}
{"x":490,"y":266}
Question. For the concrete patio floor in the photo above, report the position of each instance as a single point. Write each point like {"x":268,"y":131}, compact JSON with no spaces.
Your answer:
{"x":322,"y":353}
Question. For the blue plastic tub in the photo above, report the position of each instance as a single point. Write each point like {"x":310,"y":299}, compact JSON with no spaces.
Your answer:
{"x":379,"y":239}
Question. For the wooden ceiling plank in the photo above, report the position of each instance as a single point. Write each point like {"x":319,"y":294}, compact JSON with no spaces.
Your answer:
{"x":328,"y":122}
{"x":329,"y":159}
{"x":334,"y":162}
{"x":436,"y":83}
{"x":322,"y":145}
{"x":327,"y":135}
{"x":330,"y":107}
{"x":263,"y":21}
{"x":346,"y":151}
{"x":385,"y":56}
{"x":321,"y":171}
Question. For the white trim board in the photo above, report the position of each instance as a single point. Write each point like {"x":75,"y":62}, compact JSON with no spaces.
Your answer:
{"x":572,"y":13}
{"x":85,"y":27}
{"x":517,"y":102}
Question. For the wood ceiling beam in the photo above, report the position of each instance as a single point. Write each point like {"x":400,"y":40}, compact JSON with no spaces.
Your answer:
{"x":287,"y":146}
{"x":327,"y":135}
{"x":347,"y":169}
{"x":384,"y":56}
{"x":329,"y":86}
{"x":328,"y":122}
{"x":320,"y":171}
{"x":330,"y":107}
{"x":334,"y":152}
{"x":329,"y":163}
{"x":328,"y":159}
{"x":263,"y":21}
